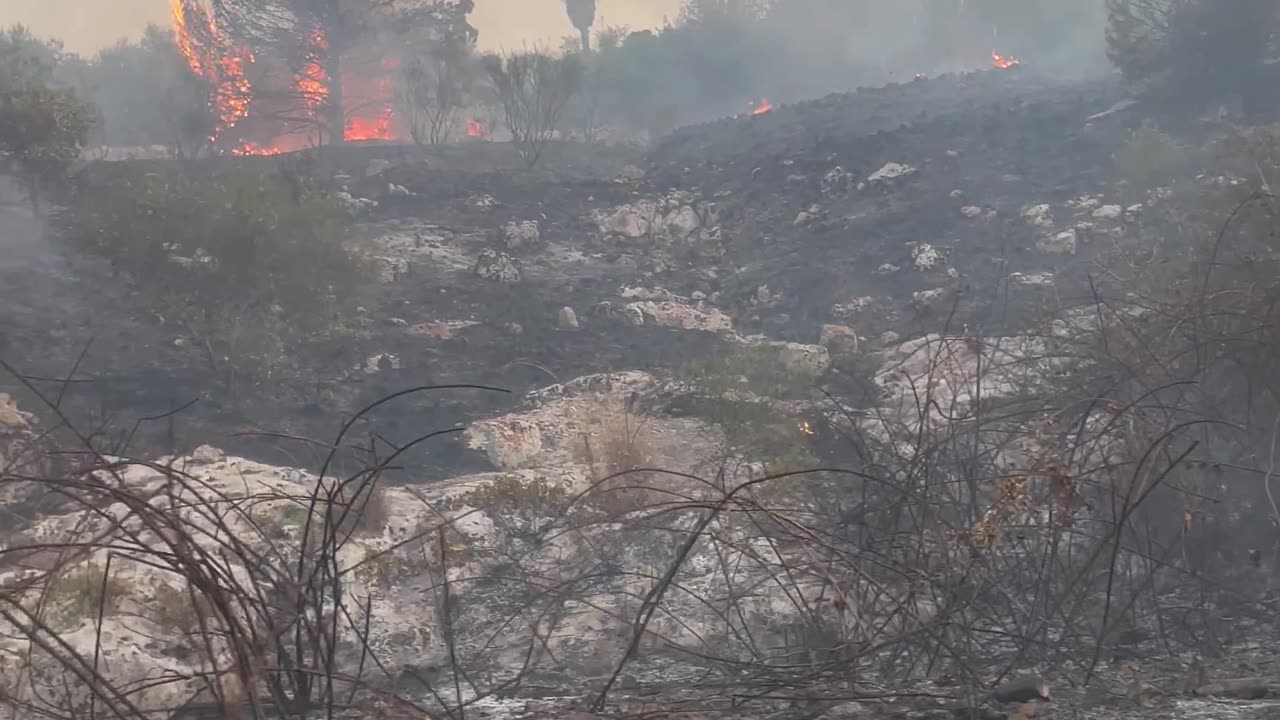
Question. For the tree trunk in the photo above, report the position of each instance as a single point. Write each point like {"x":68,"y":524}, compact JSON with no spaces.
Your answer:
{"x":335,"y":119}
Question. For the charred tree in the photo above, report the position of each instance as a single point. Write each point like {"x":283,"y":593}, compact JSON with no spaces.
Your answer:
{"x":320,"y":41}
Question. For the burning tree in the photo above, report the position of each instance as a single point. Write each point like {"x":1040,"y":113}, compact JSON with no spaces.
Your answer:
{"x":318,"y":65}
{"x":1197,"y":45}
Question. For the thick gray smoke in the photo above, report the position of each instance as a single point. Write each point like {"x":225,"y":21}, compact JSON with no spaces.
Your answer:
{"x":721,"y":54}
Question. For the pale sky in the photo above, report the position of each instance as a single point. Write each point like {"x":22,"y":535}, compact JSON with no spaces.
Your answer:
{"x":89,"y":25}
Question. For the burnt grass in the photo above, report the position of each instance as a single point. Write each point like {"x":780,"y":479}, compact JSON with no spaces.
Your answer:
{"x":1002,"y":138}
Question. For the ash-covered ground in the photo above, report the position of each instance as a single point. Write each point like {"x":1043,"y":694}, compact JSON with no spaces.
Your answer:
{"x":906,"y":248}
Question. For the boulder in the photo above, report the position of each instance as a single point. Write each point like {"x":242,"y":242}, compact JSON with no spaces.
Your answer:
{"x":890,"y":171}
{"x":511,"y":443}
{"x":354,"y":205}
{"x":1064,"y":243}
{"x":1039,"y":215}
{"x":494,"y":265}
{"x":682,"y":222}
{"x":516,"y":235}
{"x":836,"y":181}
{"x":629,"y":221}
{"x":925,"y":257}
{"x":839,"y":340}
{"x":1108,"y":212}
{"x":678,"y":315}
{"x":801,"y":358}
{"x":568,"y":319}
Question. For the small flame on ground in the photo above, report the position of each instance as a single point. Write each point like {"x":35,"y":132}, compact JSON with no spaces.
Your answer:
{"x":806,"y":428}
{"x":1004,"y":62}
{"x":475,"y":129}
{"x":761,"y":107}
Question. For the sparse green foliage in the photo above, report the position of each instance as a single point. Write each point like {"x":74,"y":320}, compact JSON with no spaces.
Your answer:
{"x":26,"y":58}
{"x":247,"y":265}
{"x":534,"y":90}
{"x":740,"y":392}
{"x":42,"y":127}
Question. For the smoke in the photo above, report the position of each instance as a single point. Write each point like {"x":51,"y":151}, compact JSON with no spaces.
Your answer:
{"x":723,"y":56}
{"x":87,"y":26}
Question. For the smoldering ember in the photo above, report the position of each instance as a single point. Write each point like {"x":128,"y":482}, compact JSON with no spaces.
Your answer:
{"x":788,"y":360}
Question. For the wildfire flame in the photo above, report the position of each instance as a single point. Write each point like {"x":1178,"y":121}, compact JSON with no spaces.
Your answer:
{"x":761,"y":107}
{"x":211,"y":55}
{"x":805,"y":427}
{"x":214,"y":59}
{"x":1004,"y":62}
{"x":377,"y":126}
{"x":475,"y":129}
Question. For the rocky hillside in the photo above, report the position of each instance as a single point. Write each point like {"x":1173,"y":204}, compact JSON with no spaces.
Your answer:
{"x":794,"y":415}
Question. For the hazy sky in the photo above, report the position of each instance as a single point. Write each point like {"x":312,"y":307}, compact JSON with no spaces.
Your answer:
{"x":88,"y":25}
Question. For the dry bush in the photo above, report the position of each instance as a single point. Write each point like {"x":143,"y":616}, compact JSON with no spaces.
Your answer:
{"x":616,"y":443}
{"x":174,"y":609}
{"x":372,"y":511}
{"x":534,"y":89}
{"x":433,"y":89}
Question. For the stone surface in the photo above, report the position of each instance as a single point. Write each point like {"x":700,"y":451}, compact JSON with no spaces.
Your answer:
{"x":494,"y":265}
{"x":839,"y":339}
{"x":523,"y":234}
{"x":1040,"y":216}
{"x":511,"y":443}
{"x":567,"y":319}
{"x":1066,"y":242}
{"x":890,"y":171}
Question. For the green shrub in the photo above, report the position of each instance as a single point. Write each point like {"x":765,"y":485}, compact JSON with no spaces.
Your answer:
{"x":757,"y":369}
{"x":247,"y":265}
{"x":739,"y":392}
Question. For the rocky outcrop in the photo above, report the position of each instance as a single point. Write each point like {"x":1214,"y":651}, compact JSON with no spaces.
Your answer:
{"x":676,"y":216}
{"x":524,"y":234}
{"x":24,"y":452}
{"x":494,"y":265}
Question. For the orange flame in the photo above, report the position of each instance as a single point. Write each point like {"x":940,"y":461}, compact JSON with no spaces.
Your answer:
{"x":762,"y":107}
{"x":1003,"y":62}
{"x":364,"y":128}
{"x":312,"y":83}
{"x":475,"y":129}
{"x":212,"y":56}
{"x":221,"y":64}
